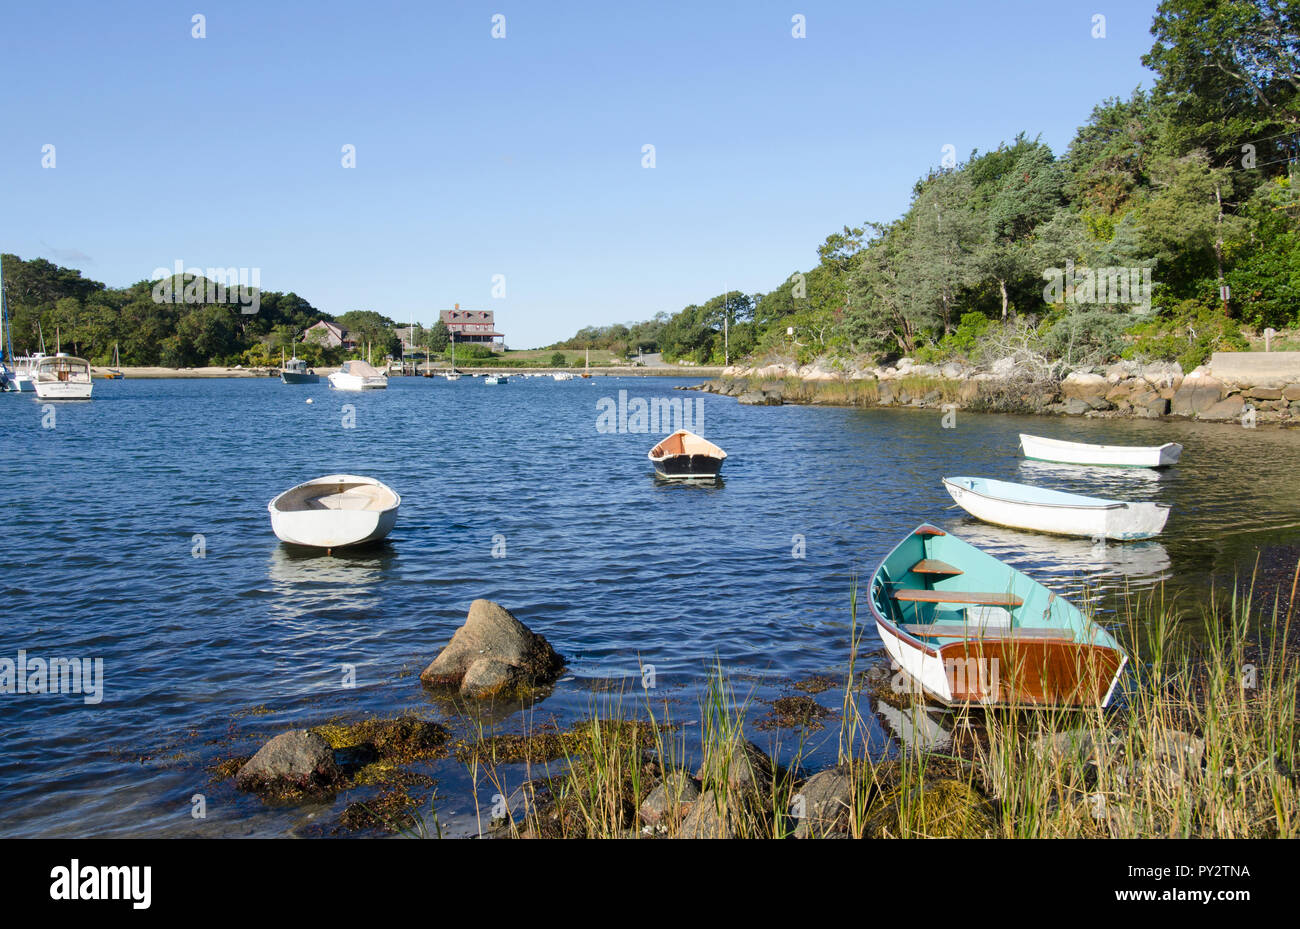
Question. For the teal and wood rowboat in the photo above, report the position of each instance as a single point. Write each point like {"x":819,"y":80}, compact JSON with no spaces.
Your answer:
{"x":1023,"y":506}
{"x":968,"y":628}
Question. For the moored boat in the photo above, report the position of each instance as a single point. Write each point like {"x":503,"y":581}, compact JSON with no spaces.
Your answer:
{"x":496,"y":379}
{"x":23,"y":370}
{"x":1107,"y":456}
{"x":968,"y":628}
{"x":335,"y":511}
{"x":358,"y":375}
{"x":295,"y":371}
{"x":1022,"y":506}
{"x":62,"y":377}
{"x":114,"y":373}
{"x":685,"y":456}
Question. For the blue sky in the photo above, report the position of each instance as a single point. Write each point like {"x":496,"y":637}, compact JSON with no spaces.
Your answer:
{"x":519,"y":156}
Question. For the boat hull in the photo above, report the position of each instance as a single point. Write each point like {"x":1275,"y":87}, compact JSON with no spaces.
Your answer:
{"x":337,"y":530}
{"x":339,"y":381}
{"x":1099,"y":519}
{"x":1037,"y":651}
{"x":1037,"y":448}
{"x":1028,"y":674}
{"x":292,"y":377}
{"x":63,"y":390}
{"x":689,"y":468}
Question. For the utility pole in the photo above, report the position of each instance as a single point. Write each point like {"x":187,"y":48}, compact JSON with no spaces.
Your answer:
{"x":726,"y":335}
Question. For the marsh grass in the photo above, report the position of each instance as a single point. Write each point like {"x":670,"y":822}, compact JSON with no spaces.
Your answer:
{"x":1200,"y":742}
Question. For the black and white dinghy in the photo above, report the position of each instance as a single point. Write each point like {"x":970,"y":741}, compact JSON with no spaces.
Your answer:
{"x":685,"y":456}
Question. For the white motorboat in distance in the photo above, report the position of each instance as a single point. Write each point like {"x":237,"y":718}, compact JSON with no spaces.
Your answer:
{"x":62,"y":377}
{"x":1021,"y":506}
{"x":335,"y":511}
{"x":685,"y":456}
{"x":358,"y":375}
{"x":1106,"y":456}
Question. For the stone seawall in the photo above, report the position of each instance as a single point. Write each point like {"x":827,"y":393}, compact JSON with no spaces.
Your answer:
{"x":1236,"y":391}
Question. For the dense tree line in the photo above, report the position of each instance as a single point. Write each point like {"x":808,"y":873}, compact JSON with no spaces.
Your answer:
{"x":620,"y":338}
{"x":1189,"y":186}
{"x":186,"y":323}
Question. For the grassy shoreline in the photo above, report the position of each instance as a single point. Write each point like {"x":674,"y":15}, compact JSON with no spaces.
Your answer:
{"x":1203,"y":743}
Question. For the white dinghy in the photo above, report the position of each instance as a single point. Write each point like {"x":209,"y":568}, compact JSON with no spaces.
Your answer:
{"x":1021,"y":506}
{"x":335,"y":511}
{"x":1106,"y":456}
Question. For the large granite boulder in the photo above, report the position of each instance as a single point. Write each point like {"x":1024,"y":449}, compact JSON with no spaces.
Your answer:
{"x":1225,"y":410}
{"x":1081,"y":388}
{"x":1198,"y":393}
{"x":493,"y":653}
{"x":297,"y":760}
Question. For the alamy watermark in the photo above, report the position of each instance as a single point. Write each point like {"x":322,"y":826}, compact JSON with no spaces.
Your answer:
{"x":661,"y":415}
{"x":180,"y":284}
{"x":53,"y":676}
{"x":1122,"y":286}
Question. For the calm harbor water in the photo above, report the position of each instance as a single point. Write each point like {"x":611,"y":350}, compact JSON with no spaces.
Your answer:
{"x":206,"y":656}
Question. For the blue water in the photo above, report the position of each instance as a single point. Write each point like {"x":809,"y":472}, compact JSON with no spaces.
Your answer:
{"x":206,"y":656}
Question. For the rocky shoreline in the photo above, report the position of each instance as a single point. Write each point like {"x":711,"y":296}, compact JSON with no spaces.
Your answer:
{"x":1123,"y":389}
{"x":1145,"y":771}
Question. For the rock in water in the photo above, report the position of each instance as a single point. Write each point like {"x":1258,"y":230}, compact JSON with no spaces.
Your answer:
{"x":670,"y":799}
{"x":493,"y":652}
{"x":707,"y":819}
{"x":299,"y":760}
{"x":822,"y":807}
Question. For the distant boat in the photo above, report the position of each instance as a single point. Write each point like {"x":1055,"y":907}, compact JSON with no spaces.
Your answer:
{"x":62,"y":377}
{"x":358,"y":375}
{"x":114,"y":373}
{"x":452,"y":375}
{"x":335,"y":511}
{"x":1022,"y":506}
{"x":295,"y":370}
{"x":21,"y":378}
{"x":1110,"y":456}
{"x":685,"y":456}
{"x":496,"y":379}
{"x":970,"y":629}
{"x":562,"y":376}
{"x":586,"y":368}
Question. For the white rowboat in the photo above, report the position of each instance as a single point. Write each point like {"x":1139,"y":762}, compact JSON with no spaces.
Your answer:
{"x":1109,"y":456}
{"x":335,"y":511}
{"x":1021,"y":506}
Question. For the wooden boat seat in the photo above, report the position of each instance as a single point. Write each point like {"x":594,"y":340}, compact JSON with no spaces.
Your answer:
{"x":951,"y":630}
{"x":908,"y":595}
{"x":935,"y":566}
